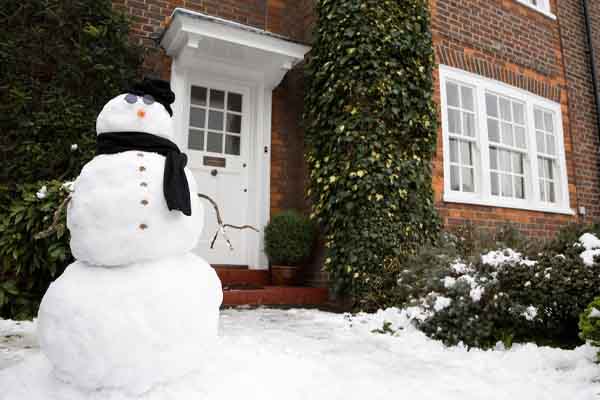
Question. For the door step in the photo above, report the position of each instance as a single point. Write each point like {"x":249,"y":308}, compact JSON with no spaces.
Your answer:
{"x":243,"y":286}
{"x":276,"y":295}
{"x":240,"y":275}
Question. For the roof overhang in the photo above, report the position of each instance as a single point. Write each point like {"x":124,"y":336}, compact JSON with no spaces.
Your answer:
{"x":197,"y":38}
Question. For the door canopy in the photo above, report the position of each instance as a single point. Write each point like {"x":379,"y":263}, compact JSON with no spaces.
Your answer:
{"x":194,"y":38}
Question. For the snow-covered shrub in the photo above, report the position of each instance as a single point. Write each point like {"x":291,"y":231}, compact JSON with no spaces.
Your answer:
{"x":501,"y":294}
{"x":507,"y":297}
{"x":27,"y":265}
{"x":589,"y":324}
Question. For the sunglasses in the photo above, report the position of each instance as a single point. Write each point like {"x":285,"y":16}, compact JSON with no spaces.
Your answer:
{"x":132,"y":99}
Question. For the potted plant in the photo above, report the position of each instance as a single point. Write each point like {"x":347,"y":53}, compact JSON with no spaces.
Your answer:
{"x":289,"y":240}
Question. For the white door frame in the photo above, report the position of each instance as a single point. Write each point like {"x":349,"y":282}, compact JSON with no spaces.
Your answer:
{"x":218,"y":76}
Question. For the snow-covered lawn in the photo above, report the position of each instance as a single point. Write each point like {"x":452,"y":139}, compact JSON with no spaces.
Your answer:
{"x":307,"y":354}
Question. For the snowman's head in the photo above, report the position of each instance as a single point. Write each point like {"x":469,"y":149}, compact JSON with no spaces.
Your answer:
{"x":143,"y":109}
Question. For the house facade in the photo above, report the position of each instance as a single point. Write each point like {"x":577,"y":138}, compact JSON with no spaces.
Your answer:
{"x":518,"y":140}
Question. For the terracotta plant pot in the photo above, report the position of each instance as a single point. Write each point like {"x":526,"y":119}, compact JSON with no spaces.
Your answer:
{"x":284,"y":275}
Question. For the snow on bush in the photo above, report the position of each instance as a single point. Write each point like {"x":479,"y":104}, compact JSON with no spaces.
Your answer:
{"x":503,"y":295}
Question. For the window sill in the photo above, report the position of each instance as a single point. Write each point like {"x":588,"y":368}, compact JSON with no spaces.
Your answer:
{"x":476,"y":201}
{"x":545,"y":13}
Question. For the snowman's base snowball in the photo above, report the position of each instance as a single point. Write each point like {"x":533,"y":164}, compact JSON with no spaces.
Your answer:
{"x":130,"y":327}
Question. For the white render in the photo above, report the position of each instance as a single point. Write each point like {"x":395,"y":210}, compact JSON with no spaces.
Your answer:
{"x":130,"y":327}
{"x":307,"y":354}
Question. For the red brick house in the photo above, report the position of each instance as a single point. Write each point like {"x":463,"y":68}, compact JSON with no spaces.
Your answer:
{"x":518,"y":139}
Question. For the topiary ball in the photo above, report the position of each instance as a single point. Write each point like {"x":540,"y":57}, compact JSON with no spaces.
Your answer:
{"x":289,"y":238}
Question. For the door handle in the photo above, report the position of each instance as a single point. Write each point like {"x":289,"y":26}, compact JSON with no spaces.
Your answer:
{"x":213,"y":172}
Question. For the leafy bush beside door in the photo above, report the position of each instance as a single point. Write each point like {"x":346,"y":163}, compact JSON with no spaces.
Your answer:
{"x":60,"y":61}
{"x":371,"y":133}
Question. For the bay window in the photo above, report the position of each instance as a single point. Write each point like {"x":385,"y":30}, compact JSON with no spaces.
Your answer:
{"x":503,"y":146}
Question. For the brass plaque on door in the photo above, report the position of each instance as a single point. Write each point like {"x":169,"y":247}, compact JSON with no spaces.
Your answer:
{"x":214,"y":161}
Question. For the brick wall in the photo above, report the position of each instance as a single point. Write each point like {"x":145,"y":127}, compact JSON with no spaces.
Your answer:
{"x":509,"y":42}
{"x":582,"y":105}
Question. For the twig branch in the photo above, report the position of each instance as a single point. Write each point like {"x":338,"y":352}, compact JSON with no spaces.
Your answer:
{"x":222,"y":226}
{"x":55,"y":221}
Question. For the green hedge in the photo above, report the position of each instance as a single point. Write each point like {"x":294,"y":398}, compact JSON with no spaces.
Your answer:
{"x":60,"y":62}
{"x":370,"y":133}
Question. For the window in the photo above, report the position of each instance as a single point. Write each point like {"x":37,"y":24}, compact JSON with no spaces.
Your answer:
{"x":503,"y":146}
{"x":542,"y":6}
{"x":215,"y":123}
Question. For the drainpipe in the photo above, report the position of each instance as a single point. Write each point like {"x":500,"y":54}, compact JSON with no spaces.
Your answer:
{"x":588,"y":30}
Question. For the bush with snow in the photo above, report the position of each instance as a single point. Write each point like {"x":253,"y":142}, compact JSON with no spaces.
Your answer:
{"x":502,"y":294}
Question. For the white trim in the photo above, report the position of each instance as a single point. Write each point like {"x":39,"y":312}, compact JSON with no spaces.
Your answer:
{"x":229,"y":54}
{"x":482,"y":195}
{"x":542,"y":9}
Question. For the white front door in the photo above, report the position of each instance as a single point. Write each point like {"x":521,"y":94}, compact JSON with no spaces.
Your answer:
{"x":218,"y":149}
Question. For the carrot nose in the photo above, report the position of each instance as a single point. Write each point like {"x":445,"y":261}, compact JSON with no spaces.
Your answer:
{"x":141,"y":113}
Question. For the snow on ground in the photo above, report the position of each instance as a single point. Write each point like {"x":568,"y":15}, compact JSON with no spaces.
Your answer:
{"x":307,"y":354}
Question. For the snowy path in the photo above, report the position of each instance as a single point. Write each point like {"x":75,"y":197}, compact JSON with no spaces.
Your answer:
{"x":305,"y":354}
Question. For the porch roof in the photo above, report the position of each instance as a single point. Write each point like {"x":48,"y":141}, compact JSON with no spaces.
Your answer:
{"x":204,"y":37}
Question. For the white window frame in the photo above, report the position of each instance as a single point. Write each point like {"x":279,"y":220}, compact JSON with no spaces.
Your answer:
{"x":483,"y":195}
{"x":542,"y":7}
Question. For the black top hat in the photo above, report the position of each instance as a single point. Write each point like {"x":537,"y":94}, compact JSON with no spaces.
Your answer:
{"x":157,"y":88}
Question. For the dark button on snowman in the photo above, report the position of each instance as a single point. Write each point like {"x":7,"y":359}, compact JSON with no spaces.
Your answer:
{"x":137,"y":308}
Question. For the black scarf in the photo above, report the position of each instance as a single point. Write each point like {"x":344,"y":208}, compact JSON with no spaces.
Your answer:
{"x":175,"y":185}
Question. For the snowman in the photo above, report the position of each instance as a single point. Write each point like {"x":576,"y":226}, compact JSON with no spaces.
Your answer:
{"x":136,"y":308}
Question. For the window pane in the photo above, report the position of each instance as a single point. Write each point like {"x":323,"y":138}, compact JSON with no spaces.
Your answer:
{"x":541,"y":167}
{"x":548,"y":124}
{"x":517,"y":166}
{"x":491,"y":105}
{"x":215,"y":120}
{"x":232,"y":145}
{"x":506,"y":185}
{"x":550,"y":144}
{"x":196,"y":139}
{"x":453,"y":150}
{"x":198,"y":96}
{"x":551,"y":192}
{"x":505,"y":109}
{"x":495,"y":184}
{"x":493,"y":158}
{"x":465,"y":153}
{"x":507,"y":136}
{"x":504,"y":160}
{"x":542,"y":191}
{"x":548,"y":169}
{"x":217,"y":98}
{"x":493,"y":130}
{"x":519,"y":113}
{"x":520,"y":137}
{"x":454,"y":178}
{"x":467,"y":183}
{"x":539,"y":121}
{"x":452,"y":94}
{"x":234,"y":102}
{"x":469,"y":124}
{"x":519,"y":187}
{"x":197,"y":117}
{"x":214,"y":142}
{"x":467,"y":98}
{"x":539,"y":139}
{"x":234,"y":123}
{"x":454,"y":121}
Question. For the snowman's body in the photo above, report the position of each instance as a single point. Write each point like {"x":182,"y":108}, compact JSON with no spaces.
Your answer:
{"x":118,"y":214}
{"x":137,"y":308}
